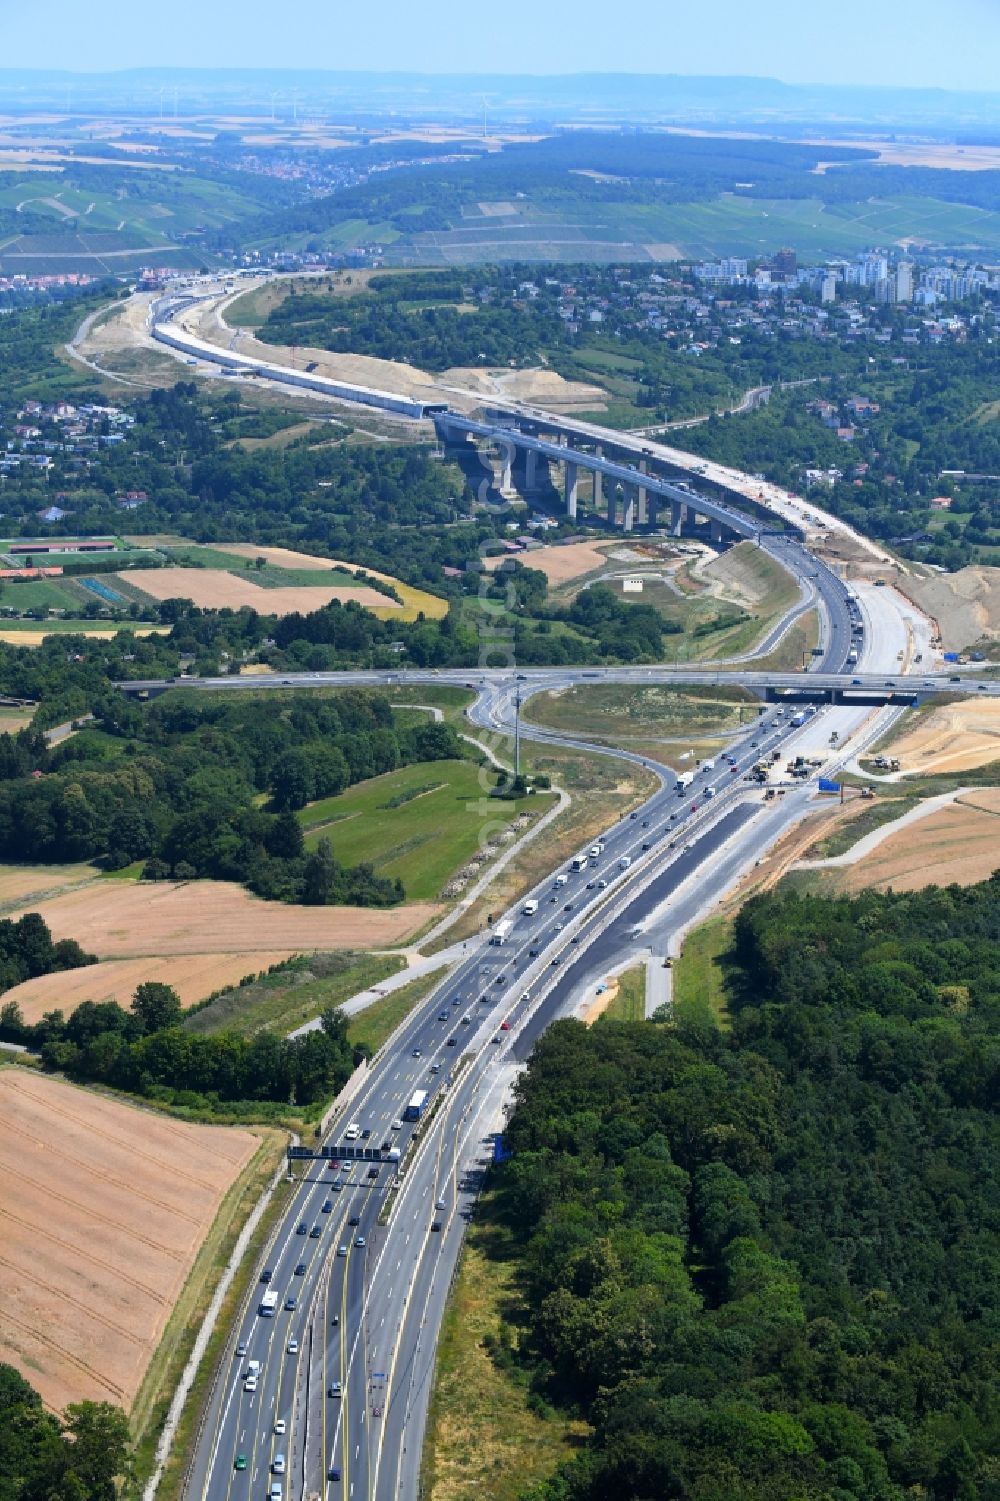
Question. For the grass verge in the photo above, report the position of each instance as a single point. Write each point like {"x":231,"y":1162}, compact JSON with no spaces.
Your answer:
{"x":421,"y":823}
{"x":165,"y":1369}
{"x":292,"y":995}
{"x":870,"y":816}
{"x":485,"y":1437}
{"x":700,"y":972}
{"x":618,"y":714}
{"x":629,"y":1005}
{"x":603,"y":790}
{"x":371,"y":1027}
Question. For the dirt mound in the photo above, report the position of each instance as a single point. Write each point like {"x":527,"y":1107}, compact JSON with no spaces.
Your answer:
{"x":966,"y":604}
{"x":954,"y":737}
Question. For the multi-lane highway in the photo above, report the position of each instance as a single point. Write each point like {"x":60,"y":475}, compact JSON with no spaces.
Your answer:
{"x":326,"y":1395}
{"x":366,"y":1298}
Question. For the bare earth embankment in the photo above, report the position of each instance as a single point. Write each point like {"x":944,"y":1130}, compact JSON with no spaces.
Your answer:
{"x":102,"y":1210}
{"x":959,"y":844}
{"x":954,"y":737}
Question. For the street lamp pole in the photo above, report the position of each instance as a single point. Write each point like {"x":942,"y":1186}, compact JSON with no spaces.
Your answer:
{"x":517,"y":733}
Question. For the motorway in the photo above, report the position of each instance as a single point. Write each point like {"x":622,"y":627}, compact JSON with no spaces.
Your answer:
{"x":366,"y":1315}
{"x":362,"y":1259}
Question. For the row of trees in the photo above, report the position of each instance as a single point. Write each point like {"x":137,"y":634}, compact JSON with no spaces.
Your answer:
{"x":764,"y":1263}
{"x":147,"y":1051}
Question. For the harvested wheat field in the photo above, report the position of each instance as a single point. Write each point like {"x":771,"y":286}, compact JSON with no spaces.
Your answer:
{"x":559,"y":564}
{"x":124,"y":920}
{"x":954,"y":737}
{"x":103,"y":1209}
{"x":93,"y":633}
{"x":215,"y":589}
{"x":21,"y":883}
{"x":415,"y":601}
{"x":280,"y":557}
{"x":193,"y":976}
{"x":960,"y":844}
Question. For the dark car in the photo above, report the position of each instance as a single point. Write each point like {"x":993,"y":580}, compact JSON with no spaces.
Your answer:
{"x":435,"y":1224}
{"x":452,"y":1041}
{"x":302,"y":1229}
{"x":373,"y":1172}
{"x":266,"y":1274}
{"x":568,"y":907}
{"x":354,"y":1220}
{"x":300,"y":1270}
{"x":314,"y":1233}
{"x":366,"y":1133}
{"x":327,"y":1205}
{"x":291,"y":1303}
{"x":333,"y":1473}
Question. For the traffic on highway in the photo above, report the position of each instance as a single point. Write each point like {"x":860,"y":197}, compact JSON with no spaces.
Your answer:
{"x":324,"y":1390}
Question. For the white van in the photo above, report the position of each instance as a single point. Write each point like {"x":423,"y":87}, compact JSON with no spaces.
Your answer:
{"x":353,"y":1132}
{"x":562,"y":879}
{"x":530,"y":908}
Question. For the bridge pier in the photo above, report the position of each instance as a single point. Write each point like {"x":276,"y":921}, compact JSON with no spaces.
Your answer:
{"x":678,"y":516}
{"x":571,"y":488}
{"x":598,"y":481}
{"x":642,"y":498}
{"x":715,"y":530}
{"x":629,"y":498}
{"x":530,"y":468}
{"x":507,"y":452}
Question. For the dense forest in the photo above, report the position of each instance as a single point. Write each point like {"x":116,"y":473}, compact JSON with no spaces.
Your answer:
{"x":764,"y":1263}
{"x":80,"y":1457}
{"x":178,"y":785}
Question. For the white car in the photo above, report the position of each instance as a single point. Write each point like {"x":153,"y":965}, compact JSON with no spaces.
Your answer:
{"x":279,"y":1426}
{"x":397,"y":1126}
{"x":341,"y":1250}
{"x":250,"y":1384}
{"x":293,"y":1346}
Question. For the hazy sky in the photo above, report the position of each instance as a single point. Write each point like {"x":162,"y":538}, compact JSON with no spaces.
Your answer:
{"x":852,"y":41}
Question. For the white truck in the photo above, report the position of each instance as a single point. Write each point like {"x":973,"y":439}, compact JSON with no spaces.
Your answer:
{"x":501,"y":931}
{"x":624,"y":862}
{"x":530,"y":908}
{"x":684,"y":781}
